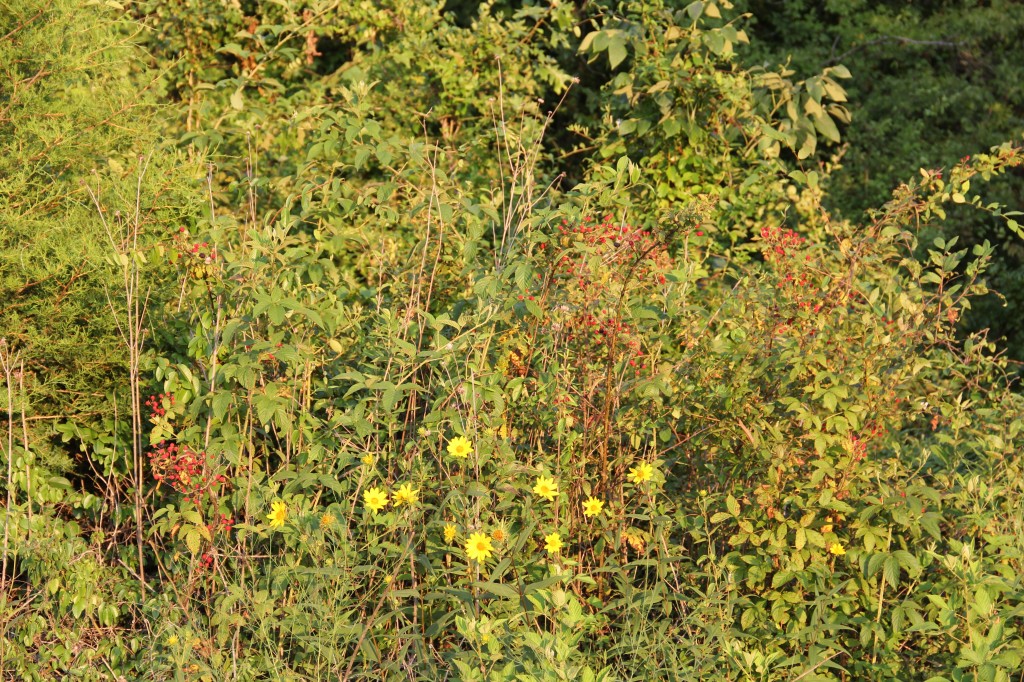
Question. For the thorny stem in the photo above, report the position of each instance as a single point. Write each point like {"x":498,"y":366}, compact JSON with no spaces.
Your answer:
{"x":8,"y":368}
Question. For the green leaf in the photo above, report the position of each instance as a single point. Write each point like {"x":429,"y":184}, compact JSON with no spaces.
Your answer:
{"x":840,"y":71}
{"x":801,"y":538}
{"x":220,"y":402}
{"x":824,"y":124}
{"x":616,"y":52}
{"x":276,"y":312}
{"x":810,"y":143}
{"x":982,"y":602}
{"x":781,"y":578}
{"x":192,"y":540}
{"x":891,"y":571}
{"x":265,"y":408}
{"x":498,"y":589}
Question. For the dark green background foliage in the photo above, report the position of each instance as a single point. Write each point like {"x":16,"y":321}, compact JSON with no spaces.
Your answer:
{"x":279,"y":255}
{"x":933,"y":82}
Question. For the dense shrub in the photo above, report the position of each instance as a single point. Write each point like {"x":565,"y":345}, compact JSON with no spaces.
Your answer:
{"x":404,"y":402}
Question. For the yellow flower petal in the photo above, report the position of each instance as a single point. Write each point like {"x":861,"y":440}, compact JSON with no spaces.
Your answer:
{"x":406,"y":495}
{"x":641,"y":473}
{"x":278,"y":514}
{"x":546,"y":488}
{"x":375,"y":499}
{"x":592,"y":507}
{"x":460,"y":447}
{"x":479,"y":547}
{"x":553,"y":543}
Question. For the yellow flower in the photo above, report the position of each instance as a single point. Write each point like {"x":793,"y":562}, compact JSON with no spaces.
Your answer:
{"x":837,"y":549}
{"x":546,"y":488}
{"x":172,"y":640}
{"x":450,"y":531}
{"x":375,"y":499}
{"x":460,"y":447}
{"x":479,"y":547}
{"x":368,"y":459}
{"x":641,"y":473}
{"x":406,"y":495}
{"x":278,"y":514}
{"x":553,"y":543}
{"x":326,"y":520}
{"x":592,"y":507}
{"x":499,"y":534}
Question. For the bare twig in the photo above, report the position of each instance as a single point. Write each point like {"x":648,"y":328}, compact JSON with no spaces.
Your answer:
{"x":898,"y":40}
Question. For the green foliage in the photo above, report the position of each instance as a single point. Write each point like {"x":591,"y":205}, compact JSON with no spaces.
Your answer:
{"x":932,"y":82}
{"x":72,"y":125}
{"x":399,"y":404}
{"x":687,"y":111}
{"x":55,"y":131}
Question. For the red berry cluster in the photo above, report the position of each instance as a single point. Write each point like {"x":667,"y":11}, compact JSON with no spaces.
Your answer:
{"x":201,"y":250}
{"x":859,"y":441}
{"x":597,"y":334}
{"x":617,"y":243}
{"x":156,"y":403}
{"x":184,"y":469}
{"x":224,"y":524}
{"x":780,"y":243}
{"x":798,"y":281}
{"x":859,"y":447}
{"x":198,"y":257}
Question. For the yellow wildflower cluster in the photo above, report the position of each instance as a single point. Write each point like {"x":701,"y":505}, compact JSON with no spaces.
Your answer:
{"x":406,"y":495}
{"x":376,"y":498}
